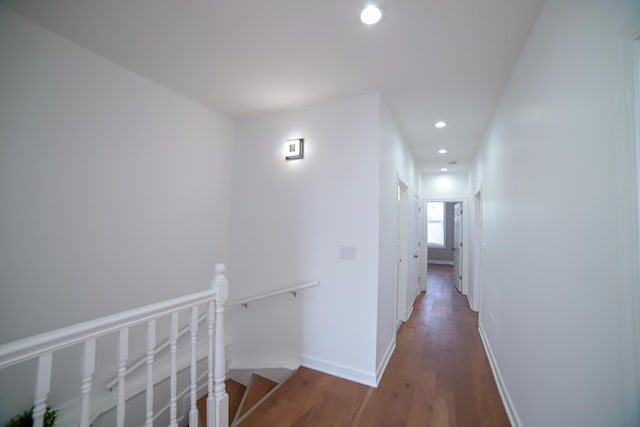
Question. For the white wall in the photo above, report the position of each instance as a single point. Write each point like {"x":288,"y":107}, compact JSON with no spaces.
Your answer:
{"x":289,"y":220}
{"x":396,"y":162}
{"x":551,"y":302}
{"x":114,"y":190}
{"x":445,"y":186}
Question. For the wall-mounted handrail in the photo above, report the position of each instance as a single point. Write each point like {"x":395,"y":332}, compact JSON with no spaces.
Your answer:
{"x":291,"y":290}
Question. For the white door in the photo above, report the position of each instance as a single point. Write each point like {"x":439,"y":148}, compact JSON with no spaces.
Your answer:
{"x":457,"y":246}
{"x":403,"y":244}
{"x":417,"y":229}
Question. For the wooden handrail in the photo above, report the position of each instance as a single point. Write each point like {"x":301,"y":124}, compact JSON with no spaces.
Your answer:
{"x":291,"y":290}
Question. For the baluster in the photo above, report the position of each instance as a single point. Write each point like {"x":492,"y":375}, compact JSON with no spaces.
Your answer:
{"x":43,"y":383}
{"x":123,"y":354}
{"x":151,"y":345}
{"x":193,"y":412}
{"x":221,"y":285}
{"x":173,"y":338}
{"x":210,"y":322}
{"x":88,"y":368}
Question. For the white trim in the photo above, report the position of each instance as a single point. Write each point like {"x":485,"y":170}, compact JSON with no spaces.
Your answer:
{"x":627,"y":125}
{"x":339,"y":370}
{"x":410,"y":310}
{"x":439,"y":262}
{"x":514,"y":419}
{"x":385,"y":360}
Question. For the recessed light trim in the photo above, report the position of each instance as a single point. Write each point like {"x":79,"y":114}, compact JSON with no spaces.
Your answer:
{"x":444,"y":169}
{"x":443,"y":151}
{"x":370,"y":15}
{"x":440,"y":124}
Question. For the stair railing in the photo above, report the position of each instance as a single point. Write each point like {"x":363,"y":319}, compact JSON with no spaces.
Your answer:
{"x":44,"y":345}
{"x":293,"y":290}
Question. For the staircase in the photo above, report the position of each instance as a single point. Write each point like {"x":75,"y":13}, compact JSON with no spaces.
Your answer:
{"x":246,"y":394}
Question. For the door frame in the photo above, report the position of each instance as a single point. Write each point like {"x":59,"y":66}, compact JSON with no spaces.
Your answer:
{"x":476,"y":286}
{"x":627,"y":139}
{"x":402,"y":270}
{"x":464,"y":268}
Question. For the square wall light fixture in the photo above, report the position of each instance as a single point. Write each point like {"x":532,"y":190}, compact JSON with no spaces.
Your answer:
{"x":294,"y":149}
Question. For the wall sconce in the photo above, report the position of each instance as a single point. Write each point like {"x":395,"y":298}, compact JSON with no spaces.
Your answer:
{"x":294,"y":149}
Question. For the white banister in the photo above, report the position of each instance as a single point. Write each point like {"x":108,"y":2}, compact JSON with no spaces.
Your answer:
{"x":290,"y":290}
{"x":43,"y":384}
{"x":221,"y":286}
{"x":92,"y":399}
{"x":210,"y":332}
{"x":193,"y":410}
{"x":157,"y":350}
{"x":123,"y":354}
{"x":88,"y":368}
{"x":32,"y":347}
{"x":173,"y":348}
{"x":151,"y":344}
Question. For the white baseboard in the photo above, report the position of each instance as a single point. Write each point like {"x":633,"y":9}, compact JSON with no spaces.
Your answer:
{"x":339,"y":370}
{"x":433,"y":261}
{"x":409,"y":311}
{"x":471,"y":303}
{"x":385,"y":360}
{"x":502,"y":388}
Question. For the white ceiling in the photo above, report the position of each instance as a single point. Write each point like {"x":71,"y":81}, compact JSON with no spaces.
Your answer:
{"x":430,"y":59}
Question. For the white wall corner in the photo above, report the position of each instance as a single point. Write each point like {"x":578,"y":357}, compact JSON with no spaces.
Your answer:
{"x":514,"y":419}
{"x":339,"y":370}
{"x":385,"y":360}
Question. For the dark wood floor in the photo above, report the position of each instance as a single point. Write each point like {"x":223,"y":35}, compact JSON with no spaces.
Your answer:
{"x":438,"y":376}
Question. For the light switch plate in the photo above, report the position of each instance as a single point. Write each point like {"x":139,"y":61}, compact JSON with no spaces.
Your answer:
{"x":347,"y":252}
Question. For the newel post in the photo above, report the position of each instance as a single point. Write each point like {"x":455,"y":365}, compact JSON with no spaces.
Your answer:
{"x":220,"y":398}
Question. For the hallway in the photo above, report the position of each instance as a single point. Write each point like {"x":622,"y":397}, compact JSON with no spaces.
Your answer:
{"x":438,"y":376}
{"x":439,"y":367}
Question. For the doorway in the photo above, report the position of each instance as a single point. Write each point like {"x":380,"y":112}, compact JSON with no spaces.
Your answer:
{"x":403,"y":262}
{"x":447,"y":231}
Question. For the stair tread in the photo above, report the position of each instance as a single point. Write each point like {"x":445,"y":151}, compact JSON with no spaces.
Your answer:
{"x":258,"y":388}
{"x":319,"y":397}
{"x":234,"y":389}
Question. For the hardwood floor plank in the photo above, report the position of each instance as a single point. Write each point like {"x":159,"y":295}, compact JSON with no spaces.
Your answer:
{"x":438,"y":376}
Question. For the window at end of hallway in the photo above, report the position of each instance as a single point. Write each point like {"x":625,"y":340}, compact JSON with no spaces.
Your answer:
{"x":435,"y":224}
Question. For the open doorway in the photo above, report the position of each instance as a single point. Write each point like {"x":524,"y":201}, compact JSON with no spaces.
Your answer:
{"x":445,"y":237}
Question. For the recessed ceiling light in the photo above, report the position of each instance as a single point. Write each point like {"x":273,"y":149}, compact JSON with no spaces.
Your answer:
{"x":443,"y":169}
{"x":370,"y":15}
{"x":442,"y":151}
{"x":440,"y":124}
